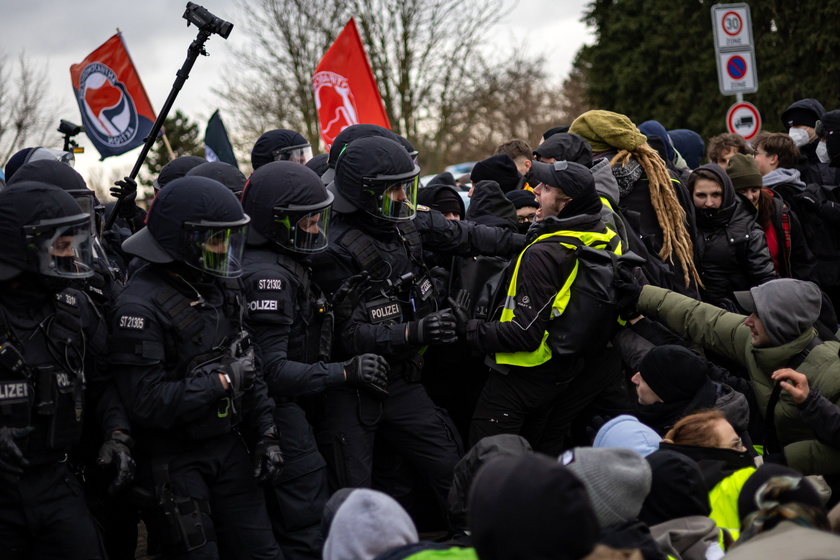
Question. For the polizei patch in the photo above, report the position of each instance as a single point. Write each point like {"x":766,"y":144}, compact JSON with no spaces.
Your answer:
{"x":384,"y":311}
{"x":263,"y":305}
{"x":14,"y":390}
{"x":133,"y":323}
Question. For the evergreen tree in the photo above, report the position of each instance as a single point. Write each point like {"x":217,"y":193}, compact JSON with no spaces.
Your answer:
{"x":655,"y":59}
{"x":184,"y":138}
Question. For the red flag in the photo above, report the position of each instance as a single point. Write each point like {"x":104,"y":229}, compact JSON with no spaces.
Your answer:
{"x":116,"y":111}
{"x":345,"y":89}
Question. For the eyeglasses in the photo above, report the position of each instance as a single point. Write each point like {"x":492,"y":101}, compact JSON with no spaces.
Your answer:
{"x":759,"y":152}
{"x":736,"y":444}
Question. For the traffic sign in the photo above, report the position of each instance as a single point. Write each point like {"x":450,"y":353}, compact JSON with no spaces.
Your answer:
{"x":732,"y":25}
{"x":736,"y":72}
{"x":744,"y":119}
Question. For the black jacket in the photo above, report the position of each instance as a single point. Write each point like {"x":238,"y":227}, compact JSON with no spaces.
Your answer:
{"x":544,"y":269}
{"x":822,"y":416}
{"x":287,"y":324}
{"x":156,"y":351}
{"x":393,"y":254}
{"x":732,"y":253}
{"x":795,"y":257}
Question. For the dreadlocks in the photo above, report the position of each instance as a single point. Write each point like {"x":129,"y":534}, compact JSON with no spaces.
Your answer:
{"x":669,"y":213}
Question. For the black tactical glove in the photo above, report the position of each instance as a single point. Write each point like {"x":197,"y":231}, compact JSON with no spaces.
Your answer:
{"x":126,"y":192}
{"x":241,"y":372}
{"x":11,"y":457}
{"x":435,"y":328}
{"x":628,"y":289}
{"x":368,"y":371}
{"x":595,"y":426}
{"x":268,"y":460}
{"x":460,"y":307}
{"x":116,"y":452}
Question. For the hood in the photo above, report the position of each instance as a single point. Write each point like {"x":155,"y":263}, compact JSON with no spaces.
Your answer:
{"x":503,"y":445}
{"x":367,"y":524}
{"x":655,"y":128}
{"x":690,"y":145}
{"x":728,"y":189}
{"x":783,"y":176}
{"x":605,"y":183}
{"x":677,"y":489}
{"x":787,"y":307}
{"x":689,"y":537}
{"x":488,"y":201}
{"x":810,"y":105}
{"x":710,"y":218}
{"x":734,"y":406}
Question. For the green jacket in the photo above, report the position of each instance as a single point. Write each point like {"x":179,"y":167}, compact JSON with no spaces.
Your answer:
{"x":726,"y":334}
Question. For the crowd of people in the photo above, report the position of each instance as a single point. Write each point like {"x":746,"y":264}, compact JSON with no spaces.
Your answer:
{"x":612,"y":350}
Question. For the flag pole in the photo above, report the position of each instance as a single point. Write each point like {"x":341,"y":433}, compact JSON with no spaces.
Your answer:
{"x":207,"y":24}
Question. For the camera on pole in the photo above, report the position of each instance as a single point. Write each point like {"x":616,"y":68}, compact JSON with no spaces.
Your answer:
{"x":69,"y":130}
{"x":207,"y":24}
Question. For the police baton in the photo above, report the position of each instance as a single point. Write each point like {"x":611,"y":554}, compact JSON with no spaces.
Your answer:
{"x":207,"y":24}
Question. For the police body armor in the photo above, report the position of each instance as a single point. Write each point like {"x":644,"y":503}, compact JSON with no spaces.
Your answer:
{"x":392,"y":295}
{"x":310,"y":314}
{"x":228,"y":347}
{"x":41,"y":376}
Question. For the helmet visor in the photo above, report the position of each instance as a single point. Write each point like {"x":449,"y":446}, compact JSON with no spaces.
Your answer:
{"x":301,"y":230}
{"x":62,"y":247}
{"x":215,"y":248}
{"x":298,"y":154}
{"x":48,"y":153}
{"x":87,"y":202}
{"x":398,"y":199}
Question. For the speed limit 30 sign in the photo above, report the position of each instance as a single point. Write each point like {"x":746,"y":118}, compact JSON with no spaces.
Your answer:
{"x":734,"y":48}
{"x":733,"y":27}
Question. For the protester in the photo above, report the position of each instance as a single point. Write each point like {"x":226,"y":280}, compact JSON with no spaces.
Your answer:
{"x":731,"y":251}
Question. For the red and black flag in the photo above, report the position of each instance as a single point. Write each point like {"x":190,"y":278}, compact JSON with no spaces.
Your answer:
{"x":116,"y":111}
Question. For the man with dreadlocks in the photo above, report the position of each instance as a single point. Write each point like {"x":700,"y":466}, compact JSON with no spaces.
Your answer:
{"x":653,"y":200}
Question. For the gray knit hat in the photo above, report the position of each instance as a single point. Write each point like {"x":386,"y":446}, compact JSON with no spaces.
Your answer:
{"x":617,"y":481}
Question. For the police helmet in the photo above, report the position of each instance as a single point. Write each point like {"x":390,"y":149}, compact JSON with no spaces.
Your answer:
{"x":289,"y":206}
{"x":280,"y":145}
{"x":57,"y":174}
{"x":176,"y":169}
{"x":196,"y":221}
{"x":26,"y":155}
{"x":44,"y":232}
{"x":376,"y":175}
{"x":349,"y":134}
{"x":222,"y":172}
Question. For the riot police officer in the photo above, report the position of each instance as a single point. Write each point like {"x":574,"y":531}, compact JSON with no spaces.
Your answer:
{"x":189,"y":381}
{"x":53,"y":376}
{"x":292,"y":325}
{"x":280,"y":145}
{"x":388,"y":307}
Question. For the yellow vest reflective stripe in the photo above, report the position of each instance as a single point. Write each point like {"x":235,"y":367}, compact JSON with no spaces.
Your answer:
{"x":542,"y":354}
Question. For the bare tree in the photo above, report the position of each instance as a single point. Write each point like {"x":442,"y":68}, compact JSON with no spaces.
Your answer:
{"x":422,"y":52}
{"x":26,"y":116}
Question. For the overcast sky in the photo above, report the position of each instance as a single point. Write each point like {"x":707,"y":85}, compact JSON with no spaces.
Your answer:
{"x":61,"y":32}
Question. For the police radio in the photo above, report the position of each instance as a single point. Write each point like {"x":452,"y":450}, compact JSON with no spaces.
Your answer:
{"x":11,"y":360}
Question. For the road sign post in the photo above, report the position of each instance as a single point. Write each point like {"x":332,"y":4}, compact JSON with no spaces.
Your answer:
{"x":735,"y":51}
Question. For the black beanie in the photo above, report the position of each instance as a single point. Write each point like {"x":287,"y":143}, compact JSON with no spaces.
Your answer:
{"x":673,"y":372}
{"x":533,"y":507}
{"x":677,"y":489}
{"x":447,"y":201}
{"x":499,"y":168}
{"x":801,"y":117}
{"x":831,"y":126}
{"x":805,"y":493}
{"x":522,"y":198}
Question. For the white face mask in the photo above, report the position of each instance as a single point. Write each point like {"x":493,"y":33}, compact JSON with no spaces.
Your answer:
{"x":799,"y":136}
{"x":822,"y":152}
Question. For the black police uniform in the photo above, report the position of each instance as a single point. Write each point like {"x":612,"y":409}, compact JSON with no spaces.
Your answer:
{"x":170,"y":338}
{"x":54,"y":380}
{"x":285,"y":316}
{"x":372,"y":318}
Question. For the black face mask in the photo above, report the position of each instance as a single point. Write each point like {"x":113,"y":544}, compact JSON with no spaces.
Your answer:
{"x":523,"y":227}
{"x":832,"y":143}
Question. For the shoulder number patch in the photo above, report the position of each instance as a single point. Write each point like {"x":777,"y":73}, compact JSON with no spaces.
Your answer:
{"x":133,"y":323}
{"x":270,"y":284}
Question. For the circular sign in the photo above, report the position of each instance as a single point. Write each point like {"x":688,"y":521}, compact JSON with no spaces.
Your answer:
{"x":732,"y":23}
{"x":744,"y":119}
{"x":736,"y":67}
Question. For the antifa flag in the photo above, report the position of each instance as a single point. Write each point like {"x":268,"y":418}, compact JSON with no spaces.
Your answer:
{"x":217,"y":146}
{"x":345,"y":89}
{"x":116,"y":111}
